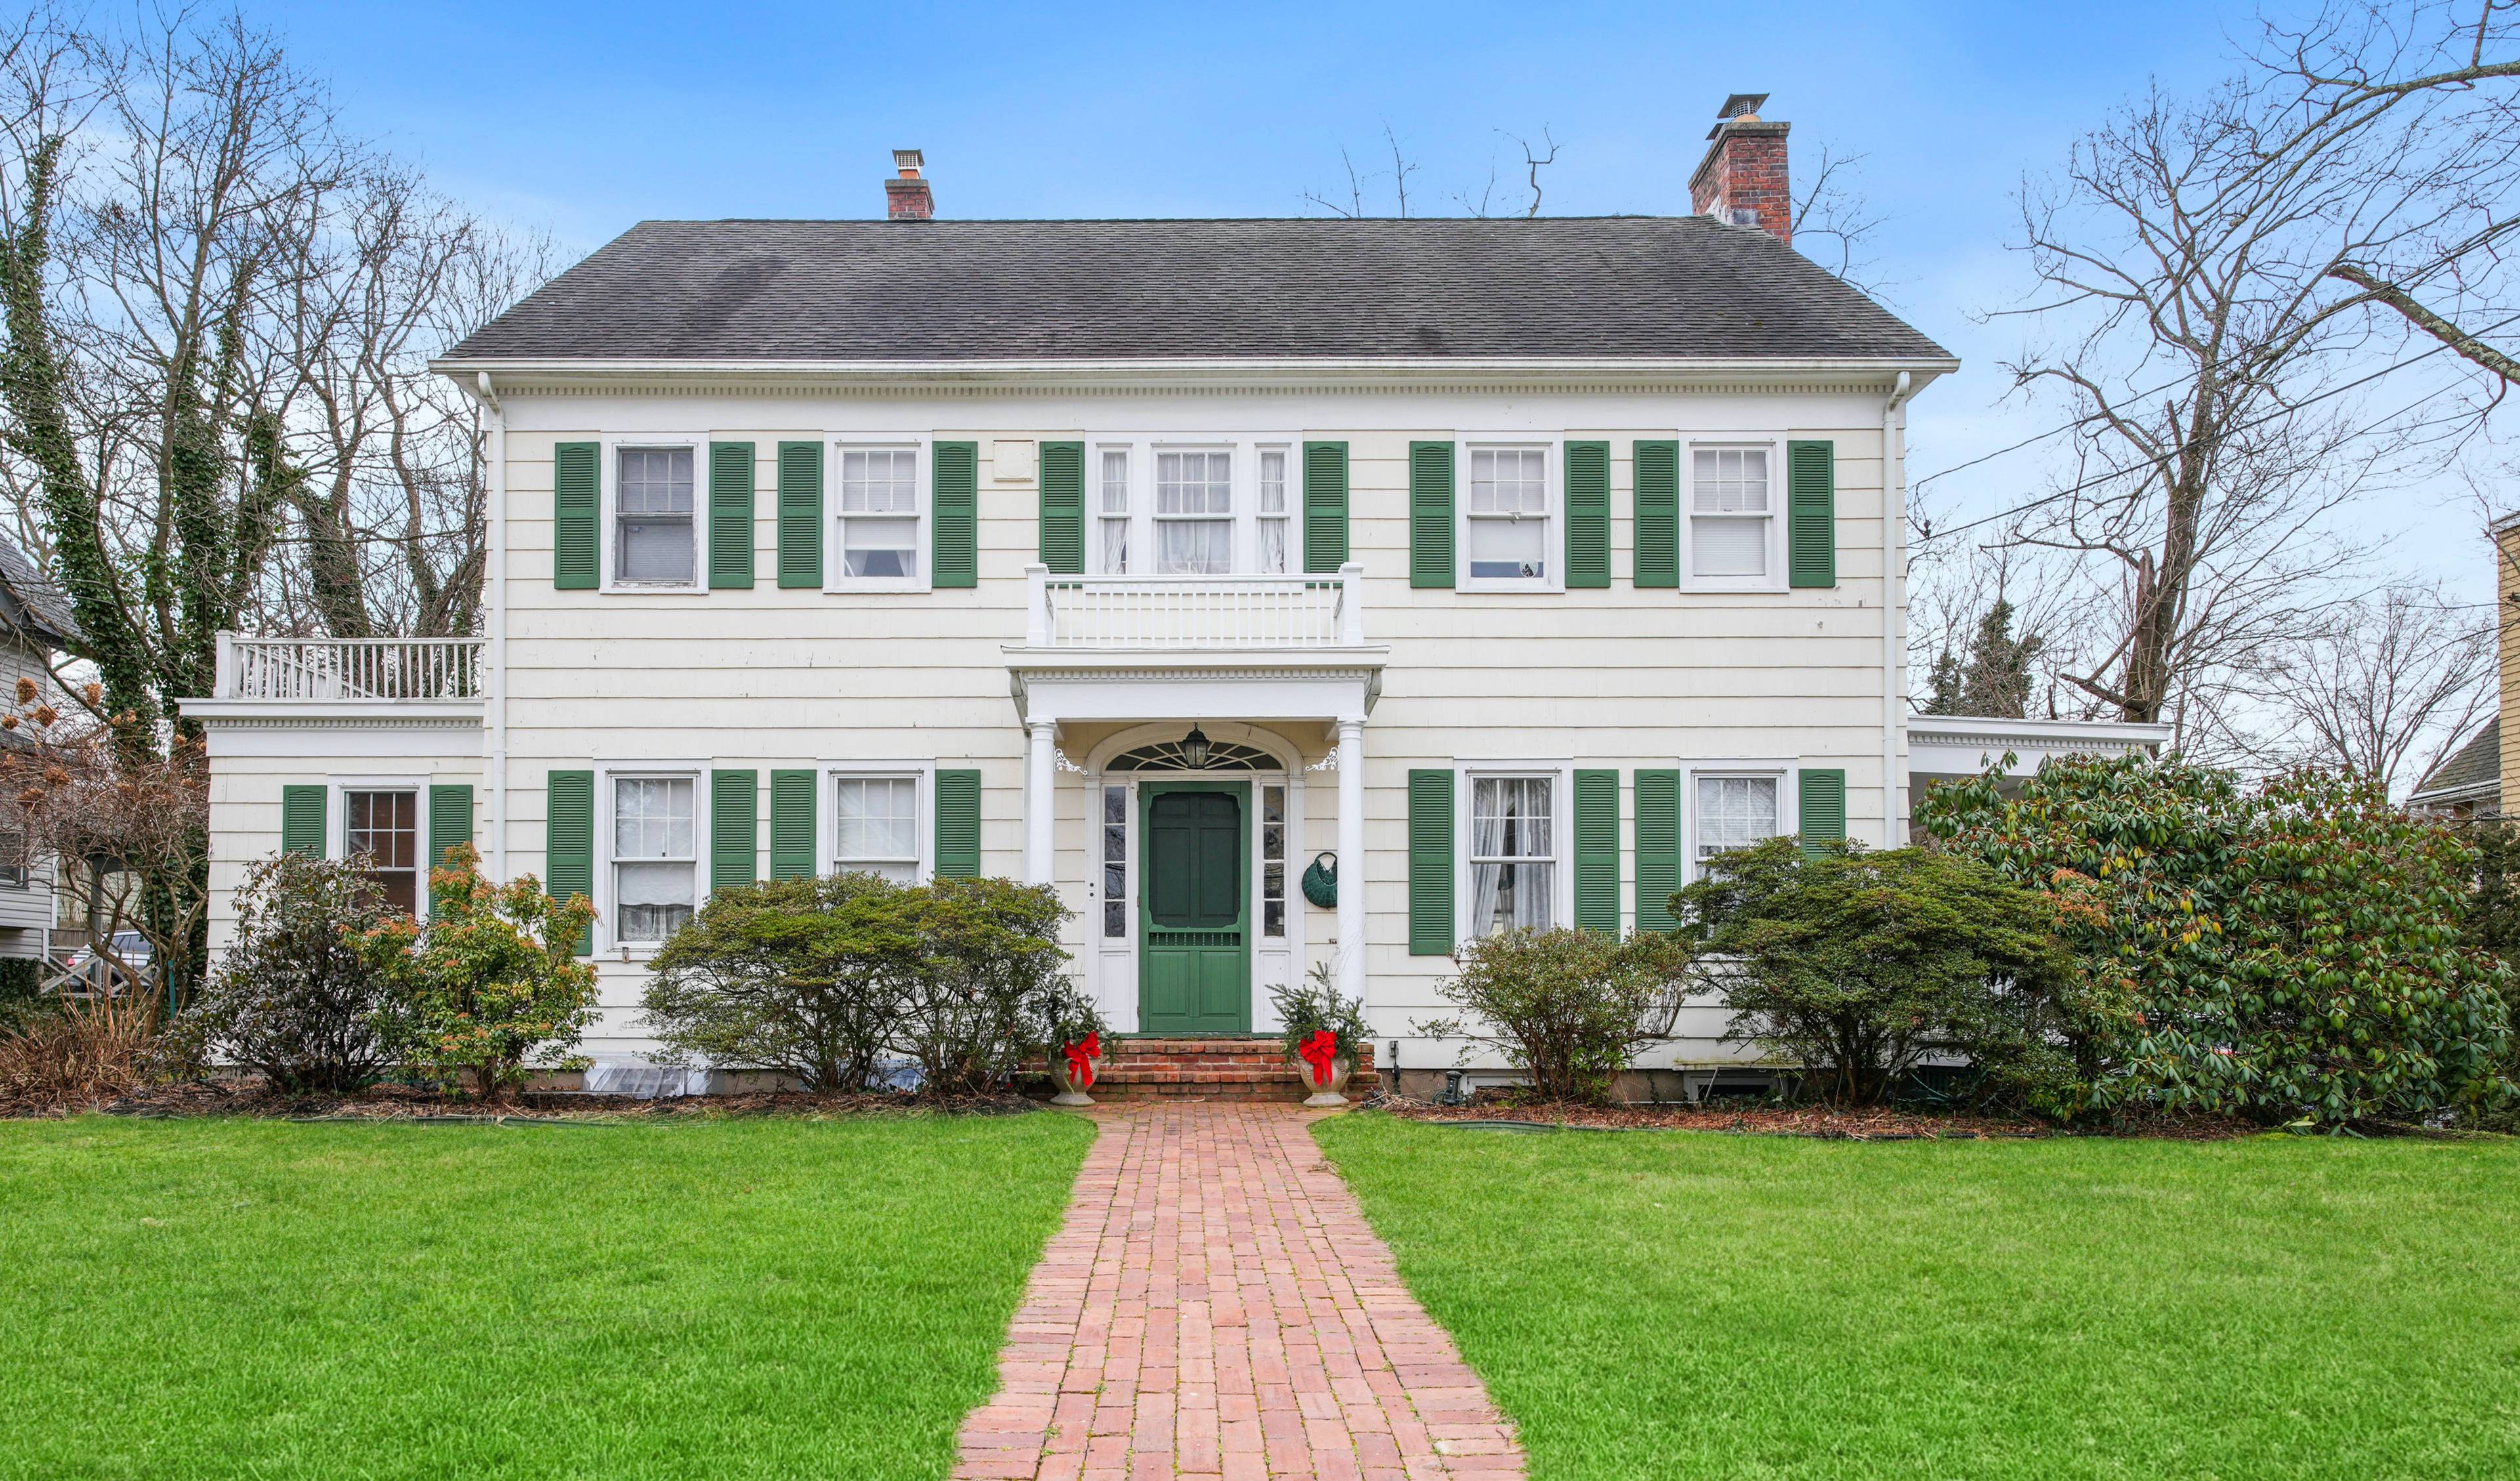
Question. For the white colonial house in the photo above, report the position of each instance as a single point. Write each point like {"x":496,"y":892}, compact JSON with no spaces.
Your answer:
{"x":1493,"y":572}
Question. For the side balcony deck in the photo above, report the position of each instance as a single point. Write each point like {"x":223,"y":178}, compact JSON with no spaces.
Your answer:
{"x":343,"y":679}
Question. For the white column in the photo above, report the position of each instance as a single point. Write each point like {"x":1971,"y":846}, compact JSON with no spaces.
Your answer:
{"x":1038,"y":777}
{"x":1351,"y":857}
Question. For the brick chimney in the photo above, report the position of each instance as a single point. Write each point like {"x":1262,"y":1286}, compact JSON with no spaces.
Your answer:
{"x":1742,"y":179}
{"x":906,"y":197}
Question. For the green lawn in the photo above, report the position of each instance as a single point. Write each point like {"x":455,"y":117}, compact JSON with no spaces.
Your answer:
{"x":1685,"y":1304}
{"x":697,"y":1298}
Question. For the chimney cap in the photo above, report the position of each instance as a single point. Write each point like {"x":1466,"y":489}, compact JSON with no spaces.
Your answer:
{"x":909,"y":161}
{"x":1742,"y":105}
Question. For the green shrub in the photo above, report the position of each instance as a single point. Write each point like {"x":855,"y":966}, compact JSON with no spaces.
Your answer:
{"x":21,"y":983}
{"x":1313,"y":1004}
{"x":491,"y":982}
{"x":293,"y":997}
{"x":2293,"y":950}
{"x":1569,"y":1008}
{"x":989,"y":962}
{"x":1860,"y":966}
{"x":804,"y":976}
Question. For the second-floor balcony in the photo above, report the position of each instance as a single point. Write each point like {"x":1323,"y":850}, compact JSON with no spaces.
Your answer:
{"x":321,"y":669}
{"x":1189,"y":613}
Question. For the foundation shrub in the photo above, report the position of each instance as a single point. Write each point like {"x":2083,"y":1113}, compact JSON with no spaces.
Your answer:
{"x":293,"y":998}
{"x":1568,"y":1009}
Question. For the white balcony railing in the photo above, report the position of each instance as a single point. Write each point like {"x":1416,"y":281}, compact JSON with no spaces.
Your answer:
{"x":348,"y":668}
{"x":1137,"y":612}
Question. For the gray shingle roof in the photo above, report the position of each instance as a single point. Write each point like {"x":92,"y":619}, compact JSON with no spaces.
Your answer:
{"x":1590,"y":288}
{"x":30,"y":602}
{"x":2473,"y":764}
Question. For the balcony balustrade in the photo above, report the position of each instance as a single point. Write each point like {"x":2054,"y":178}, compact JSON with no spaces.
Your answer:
{"x":348,"y":668}
{"x":1172,"y":614}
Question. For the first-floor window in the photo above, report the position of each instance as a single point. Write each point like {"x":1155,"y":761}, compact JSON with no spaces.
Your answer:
{"x":1734,"y":812}
{"x":383,"y":827}
{"x":1729,"y":512}
{"x":652,"y":512}
{"x":880,"y":514}
{"x":876,"y":827}
{"x":654,"y":851}
{"x":1272,"y":860}
{"x":1115,"y":862}
{"x":1512,"y":853}
{"x":1509,"y":515}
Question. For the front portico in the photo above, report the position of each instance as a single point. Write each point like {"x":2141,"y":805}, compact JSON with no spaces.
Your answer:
{"x":1195,"y":702}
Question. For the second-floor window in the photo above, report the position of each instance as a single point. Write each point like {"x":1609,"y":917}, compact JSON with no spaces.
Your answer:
{"x":1731,"y":516}
{"x":879,"y":514}
{"x":652,"y":516}
{"x":1276,"y":515}
{"x":1194,"y":513}
{"x":1114,"y":507}
{"x":654,"y":856}
{"x":1507,"y":516}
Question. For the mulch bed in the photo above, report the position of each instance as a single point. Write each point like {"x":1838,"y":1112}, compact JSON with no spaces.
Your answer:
{"x":395,"y":1103}
{"x":1764,"y":1120}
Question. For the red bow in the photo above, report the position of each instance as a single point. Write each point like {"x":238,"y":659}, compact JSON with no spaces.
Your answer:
{"x":1080,"y":1061}
{"x":1320,"y":1050}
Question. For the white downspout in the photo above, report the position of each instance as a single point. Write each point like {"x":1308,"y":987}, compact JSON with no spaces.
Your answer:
{"x":1894,"y":605}
{"x":494,"y":587}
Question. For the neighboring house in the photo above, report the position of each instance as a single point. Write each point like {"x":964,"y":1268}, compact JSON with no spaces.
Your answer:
{"x":2467,"y":783}
{"x":1511,"y":565}
{"x":35,"y":622}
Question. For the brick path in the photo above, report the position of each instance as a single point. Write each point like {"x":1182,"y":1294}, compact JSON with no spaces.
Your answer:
{"x":1215,"y":1306}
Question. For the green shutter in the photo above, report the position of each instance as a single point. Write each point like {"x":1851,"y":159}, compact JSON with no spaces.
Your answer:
{"x":791,"y":825}
{"x":735,"y":827}
{"x":1431,"y":515}
{"x":1062,"y":508}
{"x":450,"y":824}
{"x":1325,"y":507}
{"x":1657,"y":847}
{"x":958,"y":824}
{"x":1588,"y":513}
{"x":576,"y":501}
{"x":1596,"y":851}
{"x":568,"y":841}
{"x":1430,"y":863}
{"x":302,"y":818}
{"x":1657,"y":478}
{"x":801,"y":515}
{"x":1820,"y":794}
{"x":954,"y":507}
{"x":730,"y":508}
{"x":1811,"y":514}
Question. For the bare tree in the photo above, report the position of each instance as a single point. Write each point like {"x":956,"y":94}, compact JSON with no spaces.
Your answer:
{"x":1831,"y":210}
{"x":1352,"y":203}
{"x":2393,"y":676}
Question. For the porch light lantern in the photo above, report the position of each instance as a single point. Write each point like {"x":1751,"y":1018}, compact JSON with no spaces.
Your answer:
{"x":1194,"y":749}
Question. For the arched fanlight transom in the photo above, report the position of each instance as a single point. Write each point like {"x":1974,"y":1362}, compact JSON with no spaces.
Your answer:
{"x":1166,"y":756}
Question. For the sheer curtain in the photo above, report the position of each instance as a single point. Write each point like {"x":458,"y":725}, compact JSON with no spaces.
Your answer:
{"x":1512,"y":865}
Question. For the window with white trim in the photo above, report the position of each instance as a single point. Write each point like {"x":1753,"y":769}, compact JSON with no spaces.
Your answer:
{"x":653,"y":542}
{"x":1506,"y":541}
{"x":1276,"y":516}
{"x":1115,"y":510}
{"x":1734,"y":812}
{"x":16,"y":861}
{"x":1731,"y":513}
{"x":874,"y":827}
{"x":1194,"y":513}
{"x":1272,"y":860}
{"x":384,"y":826}
{"x":1115,"y":862}
{"x":879,"y":512}
{"x":655,"y":876}
{"x":1514,"y":853}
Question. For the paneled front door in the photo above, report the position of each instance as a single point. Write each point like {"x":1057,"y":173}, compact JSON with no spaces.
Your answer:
{"x":1194,"y":975}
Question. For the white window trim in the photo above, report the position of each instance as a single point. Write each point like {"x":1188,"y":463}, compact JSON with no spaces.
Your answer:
{"x":1776,"y":578}
{"x":606,"y":934}
{"x":1132,"y":845}
{"x":1561,"y":798}
{"x":608,"y":547}
{"x":827,"y":807}
{"x":1144,"y":448}
{"x":836,"y":577}
{"x":1553,"y":531}
{"x":338,"y":820}
{"x":1789,"y":775}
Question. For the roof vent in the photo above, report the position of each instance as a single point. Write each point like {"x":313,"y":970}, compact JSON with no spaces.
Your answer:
{"x":1742,"y":105}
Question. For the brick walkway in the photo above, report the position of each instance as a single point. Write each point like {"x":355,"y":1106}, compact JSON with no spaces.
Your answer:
{"x":1215,"y":1306}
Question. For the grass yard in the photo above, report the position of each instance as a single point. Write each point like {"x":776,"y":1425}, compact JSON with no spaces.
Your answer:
{"x":720,"y":1298}
{"x":1677,"y":1304}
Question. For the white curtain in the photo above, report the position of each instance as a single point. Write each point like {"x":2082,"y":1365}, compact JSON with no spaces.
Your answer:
{"x":1512,"y":881}
{"x":1194,"y":547}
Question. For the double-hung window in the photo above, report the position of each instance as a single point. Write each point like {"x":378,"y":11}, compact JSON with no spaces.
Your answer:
{"x":1507,"y":516}
{"x":1732,"y":517}
{"x":653,"y":543}
{"x":1194,"y":513}
{"x":1734,"y":812}
{"x":655,"y":832}
{"x":1275,"y":516}
{"x":1514,"y":853}
{"x":1113,"y":507}
{"x":17,"y":865}
{"x":880,"y":516}
{"x":383,"y":827}
{"x":874,"y":827}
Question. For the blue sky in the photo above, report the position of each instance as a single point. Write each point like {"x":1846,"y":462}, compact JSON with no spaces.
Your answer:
{"x":586,"y":118}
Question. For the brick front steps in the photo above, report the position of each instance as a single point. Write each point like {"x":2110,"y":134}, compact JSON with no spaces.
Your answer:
{"x":1211,"y":1070}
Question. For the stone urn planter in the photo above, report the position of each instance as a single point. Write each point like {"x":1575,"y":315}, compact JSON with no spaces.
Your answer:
{"x":1074,"y":1067}
{"x":1324,"y":1064}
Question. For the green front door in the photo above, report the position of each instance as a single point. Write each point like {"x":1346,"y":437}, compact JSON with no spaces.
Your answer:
{"x":1195,"y":965}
